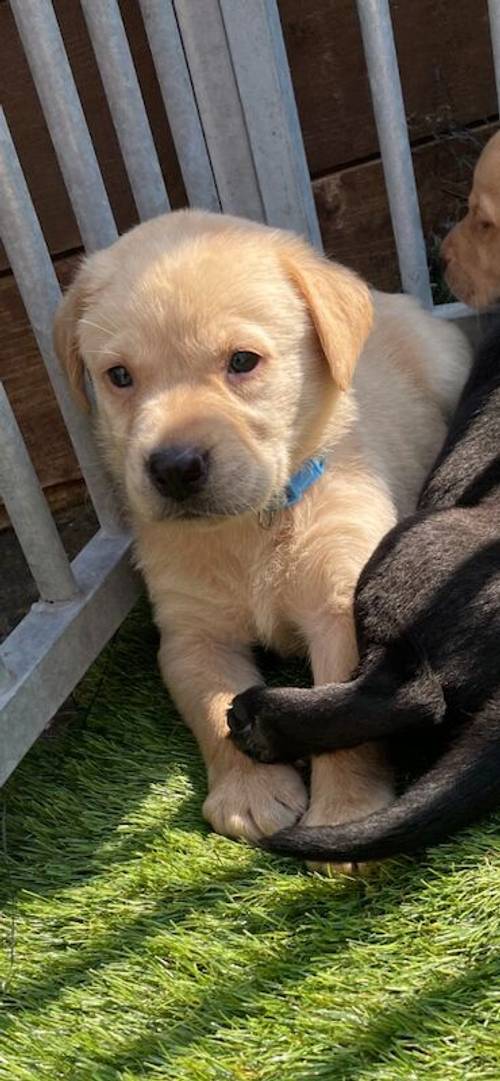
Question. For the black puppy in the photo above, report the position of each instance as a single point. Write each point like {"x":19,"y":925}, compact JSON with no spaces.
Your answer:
{"x":427,"y":612}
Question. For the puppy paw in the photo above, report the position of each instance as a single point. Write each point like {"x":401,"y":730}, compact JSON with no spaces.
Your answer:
{"x":257,"y":724}
{"x":325,"y":810}
{"x":253,"y":800}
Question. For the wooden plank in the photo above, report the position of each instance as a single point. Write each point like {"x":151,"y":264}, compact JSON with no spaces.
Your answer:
{"x":354,"y":214}
{"x":445,"y":61}
{"x":439,"y":46}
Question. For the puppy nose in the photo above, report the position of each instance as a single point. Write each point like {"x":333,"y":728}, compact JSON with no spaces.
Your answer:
{"x":178,"y":471}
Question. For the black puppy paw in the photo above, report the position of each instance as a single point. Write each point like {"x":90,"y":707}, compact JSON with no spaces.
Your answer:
{"x":253,"y":728}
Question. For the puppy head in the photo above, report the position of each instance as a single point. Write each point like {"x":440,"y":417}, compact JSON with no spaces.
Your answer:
{"x":218,"y":350}
{"x":471,"y":251}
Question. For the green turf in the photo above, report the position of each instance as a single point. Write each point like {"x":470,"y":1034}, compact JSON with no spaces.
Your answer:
{"x":135,"y":944}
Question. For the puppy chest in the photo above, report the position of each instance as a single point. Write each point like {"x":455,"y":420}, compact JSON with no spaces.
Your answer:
{"x":268,"y":606}
{"x":237,"y":589}
{"x":250,"y":595}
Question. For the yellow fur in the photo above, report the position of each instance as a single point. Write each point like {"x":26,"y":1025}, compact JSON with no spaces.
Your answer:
{"x":471,"y":251}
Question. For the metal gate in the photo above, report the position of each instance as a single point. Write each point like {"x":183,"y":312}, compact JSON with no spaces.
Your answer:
{"x":223,"y":74}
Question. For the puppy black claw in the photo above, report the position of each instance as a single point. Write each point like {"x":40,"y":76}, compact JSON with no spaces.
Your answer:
{"x":245,"y":729}
{"x":237,"y":717}
{"x":252,"y":729}
{"x":248,"y":739}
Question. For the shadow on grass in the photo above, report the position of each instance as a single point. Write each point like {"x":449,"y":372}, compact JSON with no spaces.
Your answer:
{"x":78,"y":815}
{"x":75,"y":789}
{"x":355,"y":904}
{"x":409,"y":1025}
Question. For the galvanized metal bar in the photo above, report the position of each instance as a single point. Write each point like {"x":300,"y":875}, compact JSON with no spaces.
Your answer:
{"x":50,"y":650}
{"x":238,"y":68}
{"x":5,"y":676}
{"x":212,"y":75}
{"x":114,"y":60}
{"x":390,"y":118}
{"x":494,"y":14}
{"x":180,"y":103}
{"x":265,"y":89}
{"x":44,"y":48}
{"x":39,"y":288}
{"x":29,"y":513}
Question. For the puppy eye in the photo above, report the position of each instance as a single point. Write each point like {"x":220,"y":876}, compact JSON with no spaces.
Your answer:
{"x":242,"y":362}
{"x":119,"y":376}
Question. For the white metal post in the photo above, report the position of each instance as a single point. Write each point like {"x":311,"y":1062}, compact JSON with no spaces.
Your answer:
{"x":390,"y":118}
{"x":180,"y":103}
{"x":29,"y":513}
{"x":114,"y":59}
{"x":240,"y":76}
{"x":39,"y":32}
{"x":39,"y":288}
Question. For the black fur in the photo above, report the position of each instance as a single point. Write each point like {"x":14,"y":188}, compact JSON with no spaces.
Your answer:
{"x":427,"y":611}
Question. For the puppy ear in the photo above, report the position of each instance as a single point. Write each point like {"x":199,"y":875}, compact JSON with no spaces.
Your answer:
{"x":339,"y":305}
{"x":66,"y":346}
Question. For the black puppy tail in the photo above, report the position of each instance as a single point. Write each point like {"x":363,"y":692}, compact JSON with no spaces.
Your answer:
{"x":462,"y":787}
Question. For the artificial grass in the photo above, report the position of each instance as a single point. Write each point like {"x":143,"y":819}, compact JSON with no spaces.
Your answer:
{"x":136,"y":944}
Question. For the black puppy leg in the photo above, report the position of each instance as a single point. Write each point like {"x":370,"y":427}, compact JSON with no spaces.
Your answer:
{"x":285,"y":724}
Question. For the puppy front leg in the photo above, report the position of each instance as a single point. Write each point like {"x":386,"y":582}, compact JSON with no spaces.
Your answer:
{"x":246,"y":799}
{"x":349,"y":784}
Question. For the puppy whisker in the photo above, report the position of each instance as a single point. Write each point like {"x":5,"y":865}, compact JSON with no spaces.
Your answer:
{"x":112,"y":328}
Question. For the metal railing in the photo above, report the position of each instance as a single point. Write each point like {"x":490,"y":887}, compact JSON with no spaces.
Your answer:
{"x":214,"y":59}
{"x":248,"y":167}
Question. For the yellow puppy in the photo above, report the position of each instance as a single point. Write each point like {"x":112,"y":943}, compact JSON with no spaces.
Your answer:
{"x":471,"y":251}
{"x":222,"y":355}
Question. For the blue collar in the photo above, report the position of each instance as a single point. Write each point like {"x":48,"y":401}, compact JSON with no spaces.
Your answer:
{"x":302,"y":480}
{"x":297,"y":486}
